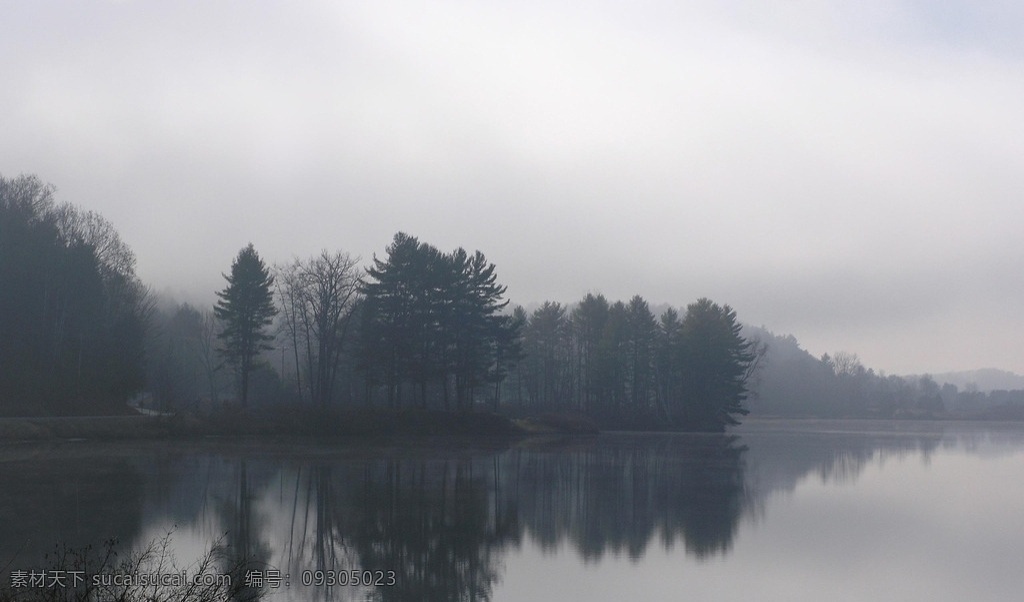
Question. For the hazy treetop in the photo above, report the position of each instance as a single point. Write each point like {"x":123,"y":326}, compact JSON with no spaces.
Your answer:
{"x":847,"y":172}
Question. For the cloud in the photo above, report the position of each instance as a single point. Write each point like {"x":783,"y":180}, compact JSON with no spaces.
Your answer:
{"x":840,"y":171}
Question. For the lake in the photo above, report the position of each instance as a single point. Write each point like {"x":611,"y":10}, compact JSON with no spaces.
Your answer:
{"x":774,"y":510}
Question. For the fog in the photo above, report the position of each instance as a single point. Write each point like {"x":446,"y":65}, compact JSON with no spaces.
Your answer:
{"x":847,"y":173}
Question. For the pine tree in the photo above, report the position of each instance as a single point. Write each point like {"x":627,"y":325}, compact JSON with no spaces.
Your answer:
{"x":245,"y":309}
{"x":715,"y":369}
{"x":433,"y":317}
{"x":642,"y":337}
{"x":399,"y":330}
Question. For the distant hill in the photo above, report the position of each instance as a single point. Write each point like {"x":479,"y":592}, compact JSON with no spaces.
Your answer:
{"x":986,"y":379}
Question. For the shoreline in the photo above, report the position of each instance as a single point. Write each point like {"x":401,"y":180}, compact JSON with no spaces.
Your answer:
{"x":304,"y":424}
{"x":308,"y":426}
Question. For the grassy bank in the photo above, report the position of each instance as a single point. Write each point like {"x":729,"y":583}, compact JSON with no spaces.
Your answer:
{"x":81,"y":427}
{"x":283,"y":422}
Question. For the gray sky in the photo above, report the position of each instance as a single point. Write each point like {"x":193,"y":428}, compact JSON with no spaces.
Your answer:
{"x":850,"y":173}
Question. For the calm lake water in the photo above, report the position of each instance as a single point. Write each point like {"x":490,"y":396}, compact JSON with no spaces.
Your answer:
{"x":776,"y":510}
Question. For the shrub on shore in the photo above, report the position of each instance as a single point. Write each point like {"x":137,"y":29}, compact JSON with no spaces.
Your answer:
{"x":151,"y":574}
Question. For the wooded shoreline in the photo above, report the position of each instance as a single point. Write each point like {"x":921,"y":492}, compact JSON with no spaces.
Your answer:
{"x":307,"y":424}
{"x":369,"y":424}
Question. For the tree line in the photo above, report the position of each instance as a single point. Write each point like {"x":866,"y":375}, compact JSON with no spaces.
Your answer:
{"x":80,"y":334}
{"x":418,"y":328}
{"x":429,"y":329}
{"x":795,"y":383}
{"x":73,"y":314}
{"x":619,"y":364}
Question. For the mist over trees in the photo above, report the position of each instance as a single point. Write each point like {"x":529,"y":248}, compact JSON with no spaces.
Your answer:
{"x":73,"y":313}
{"x":794,"y":383}
{"x":183,"y":358}
{"x":418,"y":327}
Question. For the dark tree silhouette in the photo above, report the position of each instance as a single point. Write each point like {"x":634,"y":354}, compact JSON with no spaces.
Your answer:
{"x":546,"y":369}
{"x":715,"y":369}
{"x":435,"y":318}
{"x":622,"y":368}
{"x":318,"y":296}
{"x":588,"y":321}
{"x":478,"y":335}
{"x":246,"y":309}
{"x":72,"y":312}
{"x":397,"y":320}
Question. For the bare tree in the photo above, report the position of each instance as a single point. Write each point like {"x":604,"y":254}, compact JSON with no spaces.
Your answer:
{"x":759,"y":349}
{"x":844,"y":363}
{"x":208,"y":352}
{"x":317,"y":296}
{"x":91,"y":228}
{"x":289,"y":291}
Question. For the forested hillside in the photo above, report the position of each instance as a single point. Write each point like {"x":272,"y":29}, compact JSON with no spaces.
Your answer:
{"x":72,"y":312}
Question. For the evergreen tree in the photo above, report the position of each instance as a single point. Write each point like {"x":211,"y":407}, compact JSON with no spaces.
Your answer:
{"x":611,"y":364}
{"x":435,"y":318}
{"x":640,"y":349}
{"x":547,"y":366}
{"x":477,"y":329}
{"x":508,"y":352}
{"x":399,"y":330}
{"x":588,"y":322}
{"x":715,"y":366}
{"x":246,"y":309}
{"x":668,"y":365}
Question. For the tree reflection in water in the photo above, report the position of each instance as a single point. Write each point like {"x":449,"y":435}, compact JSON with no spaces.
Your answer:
{"x":435,"y":522}
{"x":442,"y":520}
{"x":616,"y":496}
{"x":61,"y":495}
{"x":243,"y":547}
{"x":442,"y":517}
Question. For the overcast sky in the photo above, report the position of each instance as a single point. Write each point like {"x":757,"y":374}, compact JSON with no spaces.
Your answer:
{"x":850,"y":173}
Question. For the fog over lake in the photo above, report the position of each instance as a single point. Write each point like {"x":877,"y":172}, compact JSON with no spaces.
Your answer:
{"x":776,"y":510}
{"x":319,"y":291}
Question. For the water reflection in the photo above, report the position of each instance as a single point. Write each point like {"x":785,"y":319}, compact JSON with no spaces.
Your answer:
{"x":243,"y":547}
{"x":431,"y":526}
{"x":614,"y":495}
{"x":49,"y":496}
{"x":440,"y":521}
